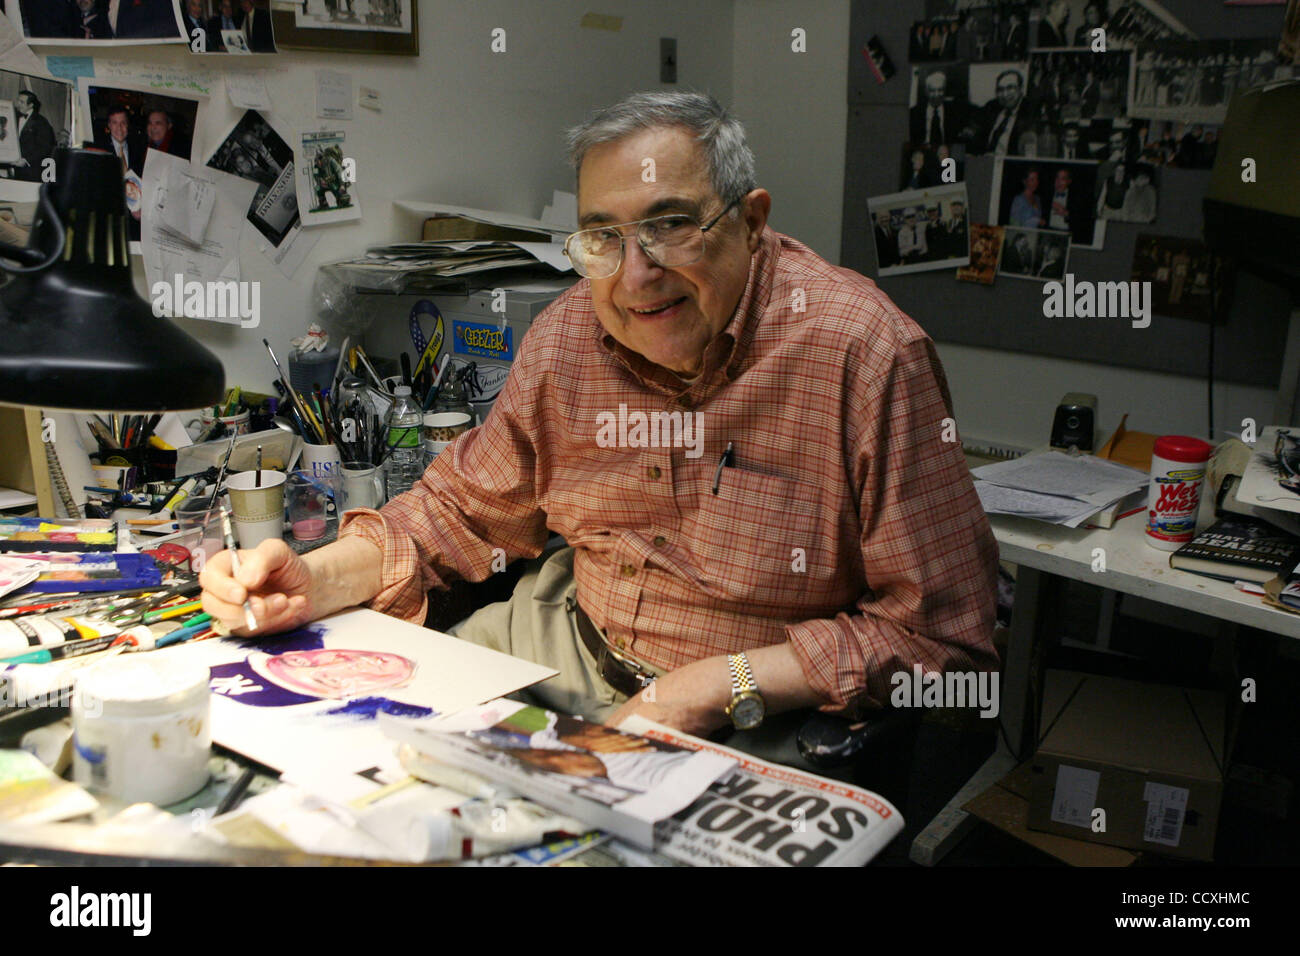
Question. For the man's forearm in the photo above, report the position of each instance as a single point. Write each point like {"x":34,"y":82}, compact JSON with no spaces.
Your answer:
{"x":344,"y":573}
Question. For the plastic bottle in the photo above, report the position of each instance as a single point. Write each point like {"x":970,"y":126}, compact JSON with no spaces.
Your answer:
{"x":405,"y":463}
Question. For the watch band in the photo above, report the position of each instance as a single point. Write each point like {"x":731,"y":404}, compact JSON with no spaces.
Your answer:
{"x":742,"y":675}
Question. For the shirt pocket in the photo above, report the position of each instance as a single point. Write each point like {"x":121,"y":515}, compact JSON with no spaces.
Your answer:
{"x":762,"y":540}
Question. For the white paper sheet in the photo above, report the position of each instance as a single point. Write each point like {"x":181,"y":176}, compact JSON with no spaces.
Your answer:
{"x":168,"y":254}
{"x":1083,"y":477}
{"x":1259,"y":483}
{"x":366,"y":662}
{"x":333,"y":95}
{"x":1000,"y":500}
{"x":247,"y":90}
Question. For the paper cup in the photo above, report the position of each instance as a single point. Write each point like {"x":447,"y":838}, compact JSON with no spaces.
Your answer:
{"x":259,"y":512}
{"x":446,"y":426}
{"x":236,"y":424}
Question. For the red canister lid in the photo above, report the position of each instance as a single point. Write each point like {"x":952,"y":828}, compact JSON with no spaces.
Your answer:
{"x":1182,"y":448}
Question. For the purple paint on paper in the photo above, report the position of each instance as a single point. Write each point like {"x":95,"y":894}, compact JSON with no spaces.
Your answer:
{"x":366,"y":708}
{"x":309,"y":638}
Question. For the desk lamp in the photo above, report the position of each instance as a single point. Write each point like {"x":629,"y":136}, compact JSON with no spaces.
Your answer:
{"x":1252,"y":210}
{"x":73,"y":332}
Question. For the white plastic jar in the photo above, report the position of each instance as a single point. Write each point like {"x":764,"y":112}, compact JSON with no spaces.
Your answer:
{"x":1178,"y":464}
{"x":141,"y":728}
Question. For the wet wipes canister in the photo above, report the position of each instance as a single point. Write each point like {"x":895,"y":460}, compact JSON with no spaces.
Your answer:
{"x":1177,"y":472}
{"x":141,"y":728}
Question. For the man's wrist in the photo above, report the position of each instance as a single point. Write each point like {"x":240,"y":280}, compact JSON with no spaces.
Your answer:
{"x":345,"y":573}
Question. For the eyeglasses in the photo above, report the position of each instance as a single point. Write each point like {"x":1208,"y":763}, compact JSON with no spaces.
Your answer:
{"x":669,"y":241}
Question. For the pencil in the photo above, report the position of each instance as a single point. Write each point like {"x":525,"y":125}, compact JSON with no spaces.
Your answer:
{"x":249,"y":619}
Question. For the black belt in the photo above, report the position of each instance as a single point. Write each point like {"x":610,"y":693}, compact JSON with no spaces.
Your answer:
{"x":622,"y":674}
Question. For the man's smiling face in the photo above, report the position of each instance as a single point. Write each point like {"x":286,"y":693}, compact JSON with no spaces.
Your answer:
{"x":667,"y":315}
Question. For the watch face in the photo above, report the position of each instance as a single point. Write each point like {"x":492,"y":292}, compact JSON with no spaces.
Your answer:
{"x":748,"y":712}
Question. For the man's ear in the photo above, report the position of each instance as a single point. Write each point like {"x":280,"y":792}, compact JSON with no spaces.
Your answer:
{"x":757,"y":206}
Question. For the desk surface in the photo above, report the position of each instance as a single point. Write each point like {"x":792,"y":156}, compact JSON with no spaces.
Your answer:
{"x":1132,"y":567}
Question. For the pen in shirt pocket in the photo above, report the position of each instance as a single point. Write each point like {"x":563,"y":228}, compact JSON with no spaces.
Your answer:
{"x":728,"y":460}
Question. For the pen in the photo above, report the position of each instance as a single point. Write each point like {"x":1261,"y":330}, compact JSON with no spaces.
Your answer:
{"x":57,"y":652}
{"x":725,"y":461}
{"x":236,"y":792}
{"x":191,"y":627}
{"x":229,"y":537}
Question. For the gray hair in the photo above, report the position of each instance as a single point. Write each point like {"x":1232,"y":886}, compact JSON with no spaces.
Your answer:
{"x":719,"y":133}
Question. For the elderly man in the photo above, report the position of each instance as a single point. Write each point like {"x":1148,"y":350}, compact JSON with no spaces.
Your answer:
{"x":823,"y":538}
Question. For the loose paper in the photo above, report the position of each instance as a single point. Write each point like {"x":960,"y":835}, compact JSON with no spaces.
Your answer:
{"x":333,"y":95}
{"x":248,"y":90}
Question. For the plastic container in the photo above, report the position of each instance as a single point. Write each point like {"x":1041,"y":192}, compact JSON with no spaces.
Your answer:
{"x":405,"y":463}
{"x":141,"y":728}
{"x":1178,"y":465}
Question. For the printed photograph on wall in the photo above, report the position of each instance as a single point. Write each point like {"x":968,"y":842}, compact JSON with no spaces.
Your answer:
{"x":920,"y":230}
{"x":98,"y":22}
{"x":1054,"y":194}
{"x":35,"y":118}
{"x":1034,"y":254}
{"x":985,"y":254}
{"x":126,"y":121}
{"x":227,"y":26}
{"x":1187,"y":280}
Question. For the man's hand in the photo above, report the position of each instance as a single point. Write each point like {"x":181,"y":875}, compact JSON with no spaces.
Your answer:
{"x":692,"y":698}
{"x":273,"y":578}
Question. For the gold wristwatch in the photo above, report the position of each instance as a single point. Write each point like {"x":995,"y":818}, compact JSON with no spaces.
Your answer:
{"x":747,"y":707}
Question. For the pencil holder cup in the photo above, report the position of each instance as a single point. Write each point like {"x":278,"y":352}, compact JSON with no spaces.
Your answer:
{"x":321,"y":461}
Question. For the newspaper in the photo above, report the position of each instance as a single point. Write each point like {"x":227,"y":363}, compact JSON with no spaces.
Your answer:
{"x":764,"y":814}
{"x":607,"y":778}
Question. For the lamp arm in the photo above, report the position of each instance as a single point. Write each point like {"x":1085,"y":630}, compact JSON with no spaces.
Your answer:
{"x":36,"y":260}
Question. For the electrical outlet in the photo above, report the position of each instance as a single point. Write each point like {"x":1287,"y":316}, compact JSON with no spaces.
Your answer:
{"x":667,"y":60}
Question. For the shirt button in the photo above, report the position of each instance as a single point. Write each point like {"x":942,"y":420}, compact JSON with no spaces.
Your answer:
{"x":660,"y":541}
{"x":654,"y":472}
{"x":620,"y":643}
{"x":628,"y":570}
{"x":685,"y":401}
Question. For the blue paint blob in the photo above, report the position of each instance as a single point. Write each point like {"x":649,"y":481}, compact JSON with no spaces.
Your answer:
{"x":365,"y":708}
{"x":309,"y":638}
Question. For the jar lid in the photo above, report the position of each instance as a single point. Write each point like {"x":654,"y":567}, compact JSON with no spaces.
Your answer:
{"x":1182,"y":448}
{"x":154,"y":683}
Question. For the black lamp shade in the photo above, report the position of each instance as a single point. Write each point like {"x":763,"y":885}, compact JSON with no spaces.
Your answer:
{"x":74,"y":334}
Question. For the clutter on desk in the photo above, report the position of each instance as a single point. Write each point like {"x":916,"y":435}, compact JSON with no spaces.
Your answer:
{"x":612,"y":780}
{"x":29,"y":534}
{"x":1178,"y":465}
{"x":1059,"y":488}
{"x":1238,"y":548}
{"x":31,"y":793}
{"x":1272,"y":475}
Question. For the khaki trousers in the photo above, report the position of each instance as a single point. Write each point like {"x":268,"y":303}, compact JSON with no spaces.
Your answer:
{"x":538,"y":624}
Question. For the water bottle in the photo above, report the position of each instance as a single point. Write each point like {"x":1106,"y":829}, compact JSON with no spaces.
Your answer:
{"x":405,"y":463}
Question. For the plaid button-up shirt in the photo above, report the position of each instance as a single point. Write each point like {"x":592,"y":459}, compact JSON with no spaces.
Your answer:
{"x":846,"y":524}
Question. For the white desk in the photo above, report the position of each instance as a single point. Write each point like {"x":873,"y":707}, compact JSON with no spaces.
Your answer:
{"x":1047,"y":555}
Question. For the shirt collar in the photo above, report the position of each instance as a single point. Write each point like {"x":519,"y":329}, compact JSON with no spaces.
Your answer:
{"x":724,"y":356}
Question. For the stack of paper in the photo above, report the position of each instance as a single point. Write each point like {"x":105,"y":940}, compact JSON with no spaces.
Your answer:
{"x":505,"y":241}
{"x":1056,"y":487}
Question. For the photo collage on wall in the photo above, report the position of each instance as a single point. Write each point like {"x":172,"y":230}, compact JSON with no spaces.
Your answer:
{"x":1084,"y":105}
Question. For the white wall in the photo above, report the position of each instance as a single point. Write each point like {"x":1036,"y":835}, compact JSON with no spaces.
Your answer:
{"x":460,"y":124}
{"x":793,"y":108}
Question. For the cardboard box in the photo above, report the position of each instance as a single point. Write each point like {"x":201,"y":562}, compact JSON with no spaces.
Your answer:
{"x":1151,"y":757}
{"x":1005,"y":805}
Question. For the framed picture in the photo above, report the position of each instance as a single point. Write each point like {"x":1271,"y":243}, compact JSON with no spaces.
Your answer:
{"x":348,"y":26}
